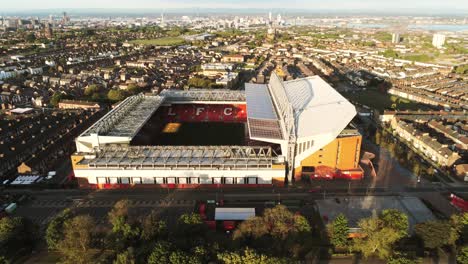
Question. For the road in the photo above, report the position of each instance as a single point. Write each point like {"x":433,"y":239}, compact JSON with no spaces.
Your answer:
{"x":171,"y":203}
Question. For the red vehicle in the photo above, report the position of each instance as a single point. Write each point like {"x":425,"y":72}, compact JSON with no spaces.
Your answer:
{"x":459,"y":202}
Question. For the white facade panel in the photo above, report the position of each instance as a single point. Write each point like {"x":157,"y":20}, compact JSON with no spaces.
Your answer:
{"x":205,"y":177}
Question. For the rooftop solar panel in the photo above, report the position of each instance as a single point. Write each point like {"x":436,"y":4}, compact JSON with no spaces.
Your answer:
{"x":259,"y":103}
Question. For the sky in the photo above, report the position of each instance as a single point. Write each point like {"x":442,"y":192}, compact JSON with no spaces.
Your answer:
{"x":341,"y":5}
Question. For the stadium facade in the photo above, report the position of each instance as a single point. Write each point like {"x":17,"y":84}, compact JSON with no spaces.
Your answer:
{"x":293,"y":129}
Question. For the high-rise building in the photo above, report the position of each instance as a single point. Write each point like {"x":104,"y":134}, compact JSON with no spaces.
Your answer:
{"x":48,"y":33}
{"x":65,"y":18}
{"x":396,"y":38}
{"x":438,"y":40}
{"x":269,"y":17}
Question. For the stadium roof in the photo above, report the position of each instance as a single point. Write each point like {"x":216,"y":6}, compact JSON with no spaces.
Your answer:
{"x":223,"y":95}
{"x":318,"y":108}
{"x":206,"y":157}
{"x":263,"y":122}
{"x":127,"y":118}
{"x":259,"y":103}
{"x":306,"y":107}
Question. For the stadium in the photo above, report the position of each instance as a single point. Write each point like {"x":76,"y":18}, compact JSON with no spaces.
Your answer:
{"x":269,"y":134}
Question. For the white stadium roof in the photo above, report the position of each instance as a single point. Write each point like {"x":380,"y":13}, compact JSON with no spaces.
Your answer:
{"x":259,"y":102}
{"x":318,"y":108}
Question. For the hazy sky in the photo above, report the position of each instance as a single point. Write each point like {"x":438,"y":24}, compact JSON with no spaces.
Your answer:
{"x":382,"y":5}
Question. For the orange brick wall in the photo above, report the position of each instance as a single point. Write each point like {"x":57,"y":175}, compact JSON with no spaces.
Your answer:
{"x":342,"y":153}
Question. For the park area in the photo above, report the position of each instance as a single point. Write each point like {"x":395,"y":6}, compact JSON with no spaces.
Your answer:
{"x":165,"y":41}
{"x":381,"y":101}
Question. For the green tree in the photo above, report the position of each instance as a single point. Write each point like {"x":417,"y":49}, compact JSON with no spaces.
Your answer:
{"x":30,"y":37}
{"x":249,"y":256}
{"x":338,"y":231}
{"x":4,"y":260}
{"x":15,"y":233}
{"x":91,"y":89}
{"x":401,"y":260}
{"x":115,"y":95}
{"x":396,"y":220}
{"x":459,"y":223}
{"x":55,"y":99}
{"x":190,"y":225}
{"x":462,"y":69}
{"x":378,"y":236}
{"x":123,"y":232}
{"x":76,"y":246}
{"x":54,"y":232}
{"x":390,"y":53}
{"x":180,"y":257}
{"x":152,"y":228}
{"x":377,"y":137}
{"x":133,"y":89}
{"x":277,"y":222}
{"x":435,"y":234}
{"x":160,"y":253}
{"x":462,"y":256}
{"x":126,"y":257}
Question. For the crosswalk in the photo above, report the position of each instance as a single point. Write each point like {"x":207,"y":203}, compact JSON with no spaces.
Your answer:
{"x":110,"y":203}
{"x":53,"y":203}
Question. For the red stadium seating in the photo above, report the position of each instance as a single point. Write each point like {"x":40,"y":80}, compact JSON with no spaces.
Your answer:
{"x":204,"y":113}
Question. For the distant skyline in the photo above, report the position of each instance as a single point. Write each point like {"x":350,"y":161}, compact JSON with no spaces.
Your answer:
{"x":381,"y":6}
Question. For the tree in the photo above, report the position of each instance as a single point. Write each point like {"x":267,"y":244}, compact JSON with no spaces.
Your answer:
{"x":459,"y":225}
{"x":248,"y":256}
{"x":434,"y":234}
{"x":378,"y":235}
{"x":115,"y":95}
{"x":4,"y":260}
{"x":152,"y":228}
{"x":401,"y":260}
{"x":119,"y":210}
{"x":15,"y":233}
{"x":190,"y":225}
{"x":277,"y":222}
{"x":54,"y":232}
{"x":133,"y":89}
{"x":30,"y":37}
{"x":160,"y":253}
{"x":126,"y":257}
{"x":462,"y":256}
{"x":396,"y":220}
{"x":338,"y":231}
{"x":180,"y":257}
{"x":123,"y":232}
{"x":76,"y":244}
{"x":377,"y":137}
{"x":55,"y":99}
{"x":91,"y":90}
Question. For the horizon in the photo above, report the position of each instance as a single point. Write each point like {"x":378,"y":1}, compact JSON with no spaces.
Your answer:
{"x":431,"y":7}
